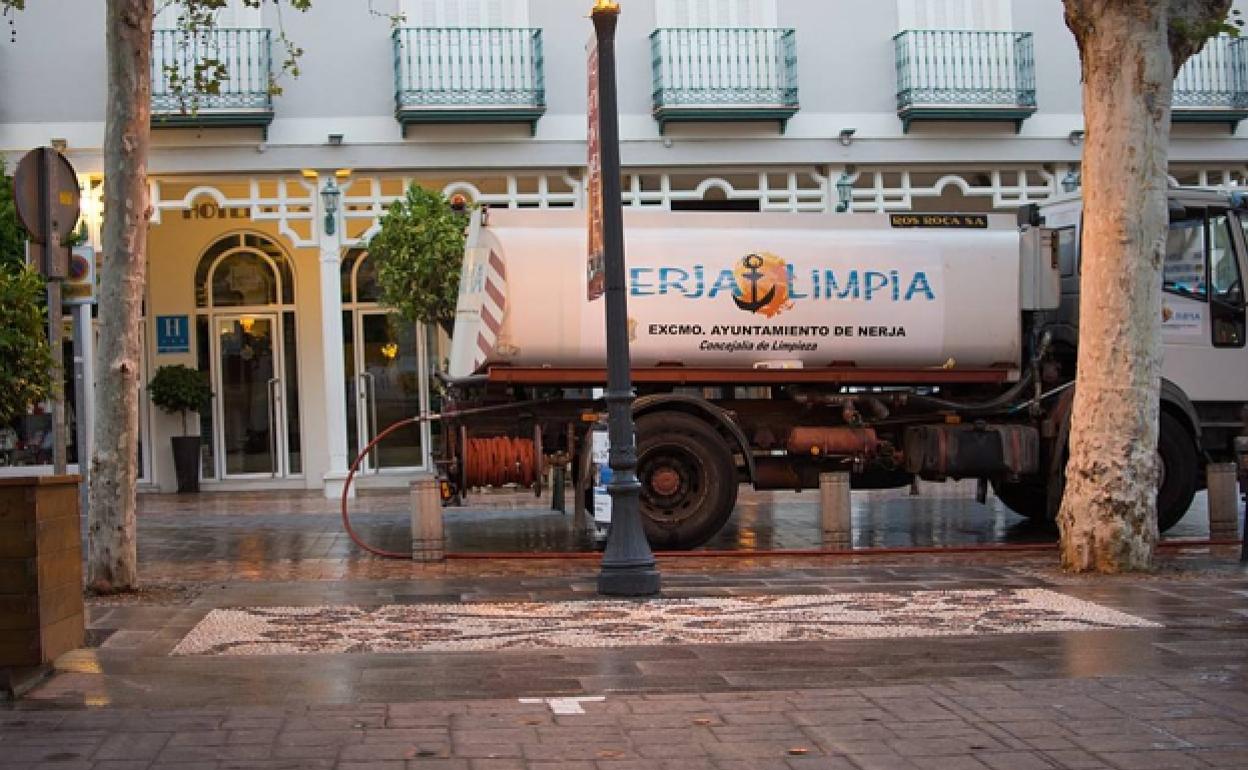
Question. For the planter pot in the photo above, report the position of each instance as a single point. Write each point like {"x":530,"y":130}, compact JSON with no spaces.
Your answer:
{"x":41,"y":607}
{"x":186,"y":462}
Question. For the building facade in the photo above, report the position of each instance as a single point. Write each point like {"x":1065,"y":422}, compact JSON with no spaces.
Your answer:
{"x":264,"y":199}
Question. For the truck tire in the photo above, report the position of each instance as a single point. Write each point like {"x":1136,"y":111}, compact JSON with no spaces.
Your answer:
{"x":1026,"y":498}
{"x":688,"y":480}
{"x":1179,"y":466}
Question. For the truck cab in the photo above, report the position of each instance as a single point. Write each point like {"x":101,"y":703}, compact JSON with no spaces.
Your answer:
{"x":1204,"y":314}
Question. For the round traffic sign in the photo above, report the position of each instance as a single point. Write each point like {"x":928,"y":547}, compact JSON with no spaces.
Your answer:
{"x":45,"y":173}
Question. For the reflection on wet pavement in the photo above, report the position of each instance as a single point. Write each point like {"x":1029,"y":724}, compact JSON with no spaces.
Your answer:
{"x":259,"y":528}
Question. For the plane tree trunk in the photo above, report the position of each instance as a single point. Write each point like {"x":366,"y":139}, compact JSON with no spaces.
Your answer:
{"x":113,"y":560}
{"x":1130,"y":51}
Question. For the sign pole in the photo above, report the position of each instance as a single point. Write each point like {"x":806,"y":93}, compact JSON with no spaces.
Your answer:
{"x":84,"y":394}
{"x":628,"y":566}
{"x":51,"y":249}
{"x":45,"y":189}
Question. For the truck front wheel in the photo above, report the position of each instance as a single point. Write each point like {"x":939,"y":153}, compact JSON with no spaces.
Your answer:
{"x":1178,"y":465}
{"x":688,"y":480}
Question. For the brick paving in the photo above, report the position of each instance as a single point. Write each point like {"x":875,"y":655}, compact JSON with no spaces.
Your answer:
{"x":1172,"y":696}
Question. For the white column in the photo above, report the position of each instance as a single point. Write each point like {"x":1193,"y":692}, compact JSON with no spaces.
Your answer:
{"x":334,"y":368}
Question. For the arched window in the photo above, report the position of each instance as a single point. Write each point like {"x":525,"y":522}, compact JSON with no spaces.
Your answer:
{"x":242,"y":270}
{"x":359,"y":278}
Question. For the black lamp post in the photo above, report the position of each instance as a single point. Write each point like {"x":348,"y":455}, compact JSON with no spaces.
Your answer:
{"x":628,"y":567}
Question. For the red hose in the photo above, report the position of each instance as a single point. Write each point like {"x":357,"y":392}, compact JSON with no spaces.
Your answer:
{"x":346,"y":491}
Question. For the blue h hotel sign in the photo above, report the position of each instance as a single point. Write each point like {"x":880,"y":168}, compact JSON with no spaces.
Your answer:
{"x":173,"y":334}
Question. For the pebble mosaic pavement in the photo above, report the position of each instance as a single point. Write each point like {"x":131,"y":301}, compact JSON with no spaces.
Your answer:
{"x":483,"y":626}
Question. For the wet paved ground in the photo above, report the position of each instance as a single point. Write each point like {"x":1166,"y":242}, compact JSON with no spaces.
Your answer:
{"x":304,"y":531}
{"x":1170,"y":696}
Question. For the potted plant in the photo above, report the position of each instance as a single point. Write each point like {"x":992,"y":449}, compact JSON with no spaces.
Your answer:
{"x":181,"y":389}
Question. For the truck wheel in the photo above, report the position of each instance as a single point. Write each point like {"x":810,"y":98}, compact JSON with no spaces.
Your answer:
{"x":1027,"y":499}
{"x":688,"y":480}
{"x":1178,"y":466}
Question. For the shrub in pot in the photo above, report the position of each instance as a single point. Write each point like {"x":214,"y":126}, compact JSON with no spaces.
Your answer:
{"x":181,"y":389}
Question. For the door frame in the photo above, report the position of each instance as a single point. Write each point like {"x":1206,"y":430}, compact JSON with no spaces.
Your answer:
{"x":276,"y":396}
{"x":363,"y":430}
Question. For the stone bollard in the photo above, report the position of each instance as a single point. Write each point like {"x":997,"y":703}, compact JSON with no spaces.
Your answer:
{"x":428,"y":538}
{"x":1223,"y":501}
{"x":834,"y":511}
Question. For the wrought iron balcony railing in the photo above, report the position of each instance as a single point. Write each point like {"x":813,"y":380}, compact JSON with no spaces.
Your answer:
{"x":459,"y":75}
{"x":724,"y":74}
{"x":949,"y":74}
{"x":216,"y":77}
{"x":1212,"y":86}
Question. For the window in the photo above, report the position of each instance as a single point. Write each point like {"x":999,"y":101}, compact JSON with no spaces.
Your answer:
{"x":1227,"y":306}
{"x":954,"y":14}
{"x":235,"y":14}
{"x":716,"y":13}
{"x":1183,"y":271}
{"x":465,"y":13}
{"x":1201,"y":263}
{"x":1066,"y":244}
{"x":1223,"y":272}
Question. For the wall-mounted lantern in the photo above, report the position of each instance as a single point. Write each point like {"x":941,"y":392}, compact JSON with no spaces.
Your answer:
{"x":329,"y":201}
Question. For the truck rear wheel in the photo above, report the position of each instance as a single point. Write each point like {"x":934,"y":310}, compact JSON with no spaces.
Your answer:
{"x":688,"y":480}
{"x":1178,"y":464}
{"x":1024,"y":498}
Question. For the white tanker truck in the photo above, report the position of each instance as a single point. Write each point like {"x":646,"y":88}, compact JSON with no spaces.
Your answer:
{"x":769,"y":348}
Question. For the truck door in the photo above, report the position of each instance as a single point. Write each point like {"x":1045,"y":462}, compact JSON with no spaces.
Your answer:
{"x":1203,"y":316}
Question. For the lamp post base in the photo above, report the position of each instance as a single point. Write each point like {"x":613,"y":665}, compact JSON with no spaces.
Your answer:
{"x":628,"y":581}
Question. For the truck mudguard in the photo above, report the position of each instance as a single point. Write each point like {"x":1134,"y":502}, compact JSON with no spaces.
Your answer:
{"x":701,"y":408}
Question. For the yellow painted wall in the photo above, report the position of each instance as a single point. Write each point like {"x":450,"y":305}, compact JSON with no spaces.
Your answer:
{"x":175,"y":246}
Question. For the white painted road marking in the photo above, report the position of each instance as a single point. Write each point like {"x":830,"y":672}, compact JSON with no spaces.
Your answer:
{"x":564,"y":706}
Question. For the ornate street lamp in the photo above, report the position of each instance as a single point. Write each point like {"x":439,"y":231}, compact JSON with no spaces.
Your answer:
{"x":329,"y":202}
{"x":628,"y":566}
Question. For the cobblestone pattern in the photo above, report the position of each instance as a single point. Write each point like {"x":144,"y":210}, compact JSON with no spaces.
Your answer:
{"x":480,"y":626}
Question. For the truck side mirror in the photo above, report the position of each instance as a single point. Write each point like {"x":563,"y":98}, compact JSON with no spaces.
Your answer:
{"x":1029,"y":215}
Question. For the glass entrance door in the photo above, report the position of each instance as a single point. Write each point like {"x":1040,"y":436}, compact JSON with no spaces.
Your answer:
{"x":249,"y":396}
{"x":389,"y":384}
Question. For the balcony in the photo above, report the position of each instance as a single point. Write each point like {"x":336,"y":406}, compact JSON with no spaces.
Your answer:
{"x":454,"y":75}
{"x":1212,"y":86}
{"x":945,"y":74}
{"x":234,"y":62}
{"x":724,"y":74}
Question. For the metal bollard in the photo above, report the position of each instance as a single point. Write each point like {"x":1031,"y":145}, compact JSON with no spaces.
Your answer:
{"x":1223,"y":501}
{"x":834,"y":511}
{"x":557,"y":497}
{"x":428,"y":537}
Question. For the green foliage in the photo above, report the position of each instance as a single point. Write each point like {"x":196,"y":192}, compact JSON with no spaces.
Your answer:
{"x":180,"y":389}
{"x":418,"y":252}
{"x":12,"y":234}
{"x":25,"y":359}
{"x":1200,"y":30}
